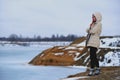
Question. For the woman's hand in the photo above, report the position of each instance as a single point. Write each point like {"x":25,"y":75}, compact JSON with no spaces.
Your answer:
{"x":87,"y":30}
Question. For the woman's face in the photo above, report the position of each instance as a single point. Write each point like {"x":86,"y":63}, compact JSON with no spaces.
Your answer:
{"x":93,"y":18}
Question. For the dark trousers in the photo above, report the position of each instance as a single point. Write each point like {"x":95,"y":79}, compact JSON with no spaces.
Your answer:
{"x":93,"y":57}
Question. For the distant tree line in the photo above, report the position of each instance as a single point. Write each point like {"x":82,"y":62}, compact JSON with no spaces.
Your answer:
{"x":15,"y":37}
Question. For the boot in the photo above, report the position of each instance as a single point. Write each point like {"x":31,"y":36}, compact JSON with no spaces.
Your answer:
{"x":97,"y":71}
{"x":91,"y":73}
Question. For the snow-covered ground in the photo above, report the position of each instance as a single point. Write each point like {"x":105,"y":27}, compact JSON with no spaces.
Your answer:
{"x":14,"y":64}
{"x":106,"y":43}
{"x":111,"y":59}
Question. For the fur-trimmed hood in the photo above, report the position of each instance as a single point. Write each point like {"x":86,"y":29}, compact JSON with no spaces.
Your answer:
{"x":98,"y":16}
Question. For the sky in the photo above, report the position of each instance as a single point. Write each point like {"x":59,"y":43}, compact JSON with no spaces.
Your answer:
{"x":63,"y":17}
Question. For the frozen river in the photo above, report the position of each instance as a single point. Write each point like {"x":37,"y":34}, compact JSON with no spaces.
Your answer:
{"x":14,"y":64}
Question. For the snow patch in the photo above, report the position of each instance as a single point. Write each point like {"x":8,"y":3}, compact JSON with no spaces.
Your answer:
{"x":80,"y":48}
{"x":77,"y":54}
{"x":81,"y":44}
{"x":42,"y":55}
{"x":86,"y":59}
{"x":76,"y":78}
{"x":61,"y":48}
{"x":107,"y":42}
{"x":111,"y":59}
{"x":71,"y":52}
{"x":76,"y":57}
{"x":70,"y":48}
{"x":62,"y":53}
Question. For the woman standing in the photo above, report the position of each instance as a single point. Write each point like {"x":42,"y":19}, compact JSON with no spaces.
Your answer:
{"x":93,"y":42}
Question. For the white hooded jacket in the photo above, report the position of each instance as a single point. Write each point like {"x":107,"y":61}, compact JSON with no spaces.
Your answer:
{"x":95,"y":31}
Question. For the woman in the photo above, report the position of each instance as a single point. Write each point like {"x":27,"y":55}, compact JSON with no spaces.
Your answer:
{"x":93,"y":42}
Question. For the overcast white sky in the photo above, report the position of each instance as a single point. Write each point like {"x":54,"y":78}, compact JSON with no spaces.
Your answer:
{"x":47,"y":17}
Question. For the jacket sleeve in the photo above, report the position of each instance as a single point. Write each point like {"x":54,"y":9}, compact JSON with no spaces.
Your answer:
{"x":96,"y":28}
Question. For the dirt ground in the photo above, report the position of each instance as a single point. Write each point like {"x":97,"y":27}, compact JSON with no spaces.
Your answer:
{"x":107,"y":73}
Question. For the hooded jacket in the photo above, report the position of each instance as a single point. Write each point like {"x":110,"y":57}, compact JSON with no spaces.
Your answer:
{"x":95,"y":31}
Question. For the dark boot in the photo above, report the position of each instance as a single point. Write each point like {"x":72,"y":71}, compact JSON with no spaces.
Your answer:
{"x":97,"y":71}
{"x":91,"y":73}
